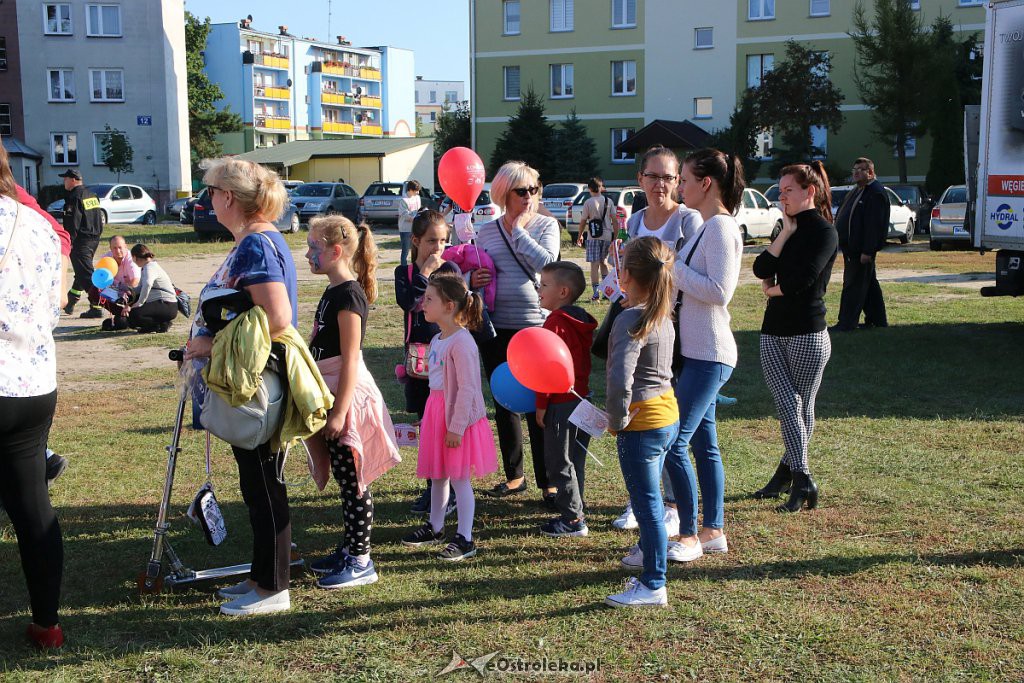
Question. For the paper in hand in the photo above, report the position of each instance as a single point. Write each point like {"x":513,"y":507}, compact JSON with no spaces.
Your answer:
{"x":590,"y":419}
{"x":463,"y":224}
{"x":405,"y":435}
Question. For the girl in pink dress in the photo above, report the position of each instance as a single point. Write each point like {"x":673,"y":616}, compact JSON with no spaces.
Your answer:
{"x":456,"y":441}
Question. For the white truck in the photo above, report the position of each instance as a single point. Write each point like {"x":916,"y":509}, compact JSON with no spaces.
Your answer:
{"x":999,"y":199}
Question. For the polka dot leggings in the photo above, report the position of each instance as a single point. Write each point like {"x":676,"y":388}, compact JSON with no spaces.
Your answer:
{"x":357,"y":509}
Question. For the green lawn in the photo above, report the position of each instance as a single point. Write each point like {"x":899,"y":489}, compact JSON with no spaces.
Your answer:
{"x":911,"y":569}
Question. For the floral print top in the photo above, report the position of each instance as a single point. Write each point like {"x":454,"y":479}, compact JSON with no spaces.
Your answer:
{"x":30,"y":285}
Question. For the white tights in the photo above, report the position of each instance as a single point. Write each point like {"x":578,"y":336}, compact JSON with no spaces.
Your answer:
{"x":464,"y":502}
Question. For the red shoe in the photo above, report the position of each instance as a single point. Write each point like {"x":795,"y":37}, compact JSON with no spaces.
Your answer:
{"x":45,"y":638}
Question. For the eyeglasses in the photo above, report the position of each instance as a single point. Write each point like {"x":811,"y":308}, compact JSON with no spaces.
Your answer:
{"x":523,"y":191}
{"x":211,"y":189}
{"x":655,"y":178}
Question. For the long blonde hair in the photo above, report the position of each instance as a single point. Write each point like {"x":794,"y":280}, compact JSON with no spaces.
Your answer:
{"x":649,"y":261}
{"x":357,"y":246}
{"x":258,"y":190}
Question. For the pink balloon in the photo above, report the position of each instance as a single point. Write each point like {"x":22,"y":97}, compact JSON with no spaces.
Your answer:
{"x":461,"y":173}
{"x":541,"y":361}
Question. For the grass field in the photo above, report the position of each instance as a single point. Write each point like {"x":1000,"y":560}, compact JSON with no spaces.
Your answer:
{"x":910,"y":570}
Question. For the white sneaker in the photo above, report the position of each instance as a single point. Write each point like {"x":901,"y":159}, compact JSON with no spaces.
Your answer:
{"x":252,"y":603}
{"x":627,"y":520}
{"x":238,"y":590}
{"x":671,"y":521}
{"x":638,"y":595}
{"x":635,"y":558}
{"x":716,"y":545}
{"x":680,"y":552}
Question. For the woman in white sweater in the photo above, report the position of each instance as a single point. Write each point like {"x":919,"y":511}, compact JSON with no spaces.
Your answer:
{"x":156,"y":303}
{"x":707,"y":270}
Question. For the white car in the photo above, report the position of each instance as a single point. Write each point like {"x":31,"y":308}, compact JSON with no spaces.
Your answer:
{"x":483,"y":211}
{"x":901,"y":216}
{"x":119,"y":203}
{"x":622,"y":204}
{"x":559,"y":197}
{"x":756,"y":216}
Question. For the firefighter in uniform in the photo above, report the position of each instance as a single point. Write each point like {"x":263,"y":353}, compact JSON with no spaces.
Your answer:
{"x":83,"y":220}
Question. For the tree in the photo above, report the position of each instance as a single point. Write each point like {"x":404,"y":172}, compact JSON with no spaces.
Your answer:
{"x":452,"y":129}
{"x":205,"y":121}
{"x":527,"y":137}
{"x":575,"y":153}
{"x":739,"y":138}
{"x":792,"y":98}
{"x":892,"y":72}
{"x":944,"y":113}
{"x":117,"y":151}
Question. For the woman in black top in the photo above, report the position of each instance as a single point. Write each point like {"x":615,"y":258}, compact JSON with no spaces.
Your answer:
{"x":794,"y":272}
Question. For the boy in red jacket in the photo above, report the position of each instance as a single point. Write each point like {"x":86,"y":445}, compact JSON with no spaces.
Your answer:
{"x":565,"y":446}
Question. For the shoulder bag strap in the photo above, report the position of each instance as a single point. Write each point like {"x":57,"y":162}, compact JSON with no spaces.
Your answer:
{"x":532,"y":276}
{"x":14,"y":231}
{"x":209,"y":470}
{"x":408,"y":331}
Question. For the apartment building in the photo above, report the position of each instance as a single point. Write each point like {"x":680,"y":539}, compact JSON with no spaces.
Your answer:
{"x":94,"y":64}
{"x":432,"y":97}
{"x":288,"y":88}
{"x":625,"y":63}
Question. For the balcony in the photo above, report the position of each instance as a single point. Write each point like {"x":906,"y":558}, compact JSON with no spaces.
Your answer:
{"x":272,"y":122}
{"x":271,"y":61}
{"x":350,"y":70}
{"x":338,"y":127}
{"x":333,"y":97}
{"x":368,"y":130}
{"x":272,"y":92}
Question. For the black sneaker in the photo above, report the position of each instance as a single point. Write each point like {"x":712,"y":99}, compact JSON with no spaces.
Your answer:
{"x":334,"y":562}
{"x":55,"y":466}
{"x":107,"y":325}
{"x":93,"y":312}
{"x":549,"y":501}
{"x":559,"y":527}
{"x":423,"y":535}
{"x":70,"y":306}
{"x":458,"y":549}
{"x":422,"y":504}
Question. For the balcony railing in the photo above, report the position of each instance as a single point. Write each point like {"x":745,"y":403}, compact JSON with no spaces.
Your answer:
{"x":272,"y":61}
{"x":338,"y":127}
{"x":348,"y":99}
{"x":350,"y":70}
{"x":273,"y":122}
{"x":272,"y":92}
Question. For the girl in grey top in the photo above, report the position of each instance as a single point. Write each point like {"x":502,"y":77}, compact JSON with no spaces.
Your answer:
{"x":156,"y":302}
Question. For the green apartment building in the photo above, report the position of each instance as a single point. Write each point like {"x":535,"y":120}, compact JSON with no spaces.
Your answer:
{"x":624,"y":63}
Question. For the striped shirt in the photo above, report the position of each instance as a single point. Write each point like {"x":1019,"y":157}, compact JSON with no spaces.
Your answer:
{"x":516,"y":305}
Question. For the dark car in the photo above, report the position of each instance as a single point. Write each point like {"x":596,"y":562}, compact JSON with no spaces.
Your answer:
{"x":325,"y":199}
{"x":204,"y":221}
{"x":188,"y":209}
{"x":379,"y":203}
{"x":915,"y":197}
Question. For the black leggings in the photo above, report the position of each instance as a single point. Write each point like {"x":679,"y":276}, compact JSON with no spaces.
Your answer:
{"x":24,"y":428}
{"x":150,"y":315}
{"x":357,"y":509}
{"x":267,"y":500}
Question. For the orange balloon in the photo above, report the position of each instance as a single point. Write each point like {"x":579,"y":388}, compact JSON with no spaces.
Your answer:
{"x":108,"y":263}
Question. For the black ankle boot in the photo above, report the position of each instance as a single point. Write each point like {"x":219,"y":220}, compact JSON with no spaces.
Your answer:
{"x":804,"y":491}
{"x":778,"y":484}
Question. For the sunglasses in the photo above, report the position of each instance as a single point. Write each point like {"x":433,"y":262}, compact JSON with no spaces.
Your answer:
{"x":523,"y":191}
{"x":211,"y":189}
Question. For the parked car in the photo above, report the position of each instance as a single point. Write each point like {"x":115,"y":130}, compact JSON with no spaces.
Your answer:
{"x":291,"y":185}
{"x":205,"y":221}
{"x":484,"y":209}
{"x":772,"y":195}
{"x":622,"y":200}
{"x":901,"y":217}
{"x":188,"y":210}
{"x":174,"y":207}
{"x":757,"y":216}
{"x":325,"y":199}
{"x":120,"y":203}
{"x":915,"y":197}
{"x":559,"y":197}
{"x":379,"y":204}
{"x":947,"y":220}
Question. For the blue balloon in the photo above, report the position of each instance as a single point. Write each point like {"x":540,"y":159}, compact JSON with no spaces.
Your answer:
{"x":102,"y":278}
{"x":512,"y":395}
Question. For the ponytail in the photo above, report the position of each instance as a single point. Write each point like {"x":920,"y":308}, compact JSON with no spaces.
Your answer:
{"x":814,"y":174}
{"x":726,"y":170}
{"x":472,"y":314}
{"x":364,"y":262}
{"x":649,"y":261}
{"x":469,"y":306}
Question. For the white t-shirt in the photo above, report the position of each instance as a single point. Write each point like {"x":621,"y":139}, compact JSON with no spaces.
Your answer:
{"x":407,"y":212}
{"x":644,"y":231}
{"x":435,"y":364}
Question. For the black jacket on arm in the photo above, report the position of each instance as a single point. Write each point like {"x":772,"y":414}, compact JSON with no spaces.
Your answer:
{"x":82,"y":214}
{"x":863,"y":220}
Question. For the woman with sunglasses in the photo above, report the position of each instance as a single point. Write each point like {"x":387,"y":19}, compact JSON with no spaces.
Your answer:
{"x":521,"y":242}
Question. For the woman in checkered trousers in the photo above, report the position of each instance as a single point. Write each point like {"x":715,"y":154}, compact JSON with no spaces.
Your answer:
{"x":794,"y":272}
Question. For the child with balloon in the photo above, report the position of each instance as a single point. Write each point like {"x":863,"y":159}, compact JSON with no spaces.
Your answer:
{"x":456,"y":442}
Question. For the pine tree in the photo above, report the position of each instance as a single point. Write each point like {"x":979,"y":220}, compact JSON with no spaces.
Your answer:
{"x":575,"y":153}
{"x":944,"y":114}
{"x":205,"y":121}
{"x":527,"y":137}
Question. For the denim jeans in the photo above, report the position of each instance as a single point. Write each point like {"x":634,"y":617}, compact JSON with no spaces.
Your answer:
{"x":641,"y":457}
{"x":406,"y":240}
{"x":696,"y":390}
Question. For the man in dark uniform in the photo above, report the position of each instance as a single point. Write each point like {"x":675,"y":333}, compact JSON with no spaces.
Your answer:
{"x":83,"y":220}
{"x":863,"y":225}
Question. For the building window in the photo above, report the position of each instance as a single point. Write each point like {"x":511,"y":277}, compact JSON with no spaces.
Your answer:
{"x":511,"y":12}
{"x":103,"y":21}
{"x":703,"y":38}
{"x":915,"y":4}
{"x":757,"y":67}
{"x":624,"y":78}
{"x":623,"y":13}
{"x":64,"y":149}
{"x":107,"y":85}
{"x":618,"y":135}
{"x":820,"y":8}
{"x":417,"y":92}
{"x":511,"y":82}
{"x":5,"y":120}
{"x":561,"y":15}
{"x":764,"y":143}
{"x":433,"y":116}
{"x":433,"y":97}
{"x":702,"y":107}
{"x":562,"y":81}
{"x":99,"y":158}
{"x":759,"y":10}
{"x":57,"y":19}
{"x":3,"y":53}
{"x":819,"y":140}
{"x":969,"y":3}
{"x":451,"y":96}
{"x":62,"y":85}
{"x":910,"y":145}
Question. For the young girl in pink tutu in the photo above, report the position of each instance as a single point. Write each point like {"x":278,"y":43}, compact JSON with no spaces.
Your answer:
{"x":456,"y":442}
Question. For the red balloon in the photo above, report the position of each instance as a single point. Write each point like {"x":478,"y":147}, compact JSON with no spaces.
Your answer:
{"x":541,"y":361}
{"x":461,"y":173}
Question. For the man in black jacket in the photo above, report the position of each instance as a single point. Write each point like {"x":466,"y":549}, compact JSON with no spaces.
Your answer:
{"x":83,"y":220}
{"x":863,"y":225}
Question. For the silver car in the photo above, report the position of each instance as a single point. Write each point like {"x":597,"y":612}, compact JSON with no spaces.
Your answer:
{"x":559,"y":197}
{"x":948,"y":216}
